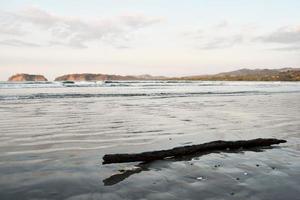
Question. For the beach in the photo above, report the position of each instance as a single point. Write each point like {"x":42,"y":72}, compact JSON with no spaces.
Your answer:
{"x":53,"y":137}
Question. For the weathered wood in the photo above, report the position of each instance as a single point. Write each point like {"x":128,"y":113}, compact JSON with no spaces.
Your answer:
{"x":188,"y":150}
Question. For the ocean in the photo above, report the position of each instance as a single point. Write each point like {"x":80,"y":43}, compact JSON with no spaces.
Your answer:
{"x":53,"y":137}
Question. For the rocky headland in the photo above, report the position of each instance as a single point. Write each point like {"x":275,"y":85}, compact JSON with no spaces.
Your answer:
{"x":26,"y":77}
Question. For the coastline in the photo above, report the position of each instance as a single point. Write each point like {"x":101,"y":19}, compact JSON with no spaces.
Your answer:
{"x":284,"y":74}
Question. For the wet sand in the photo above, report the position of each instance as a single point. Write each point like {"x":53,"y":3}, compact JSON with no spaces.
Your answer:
{"x":52,"y":148}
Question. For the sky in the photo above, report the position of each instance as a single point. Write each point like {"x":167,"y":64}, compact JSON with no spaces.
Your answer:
{"x":157,"y":37}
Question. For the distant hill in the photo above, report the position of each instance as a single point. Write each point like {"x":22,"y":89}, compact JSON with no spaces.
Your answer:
{"x":149,"y":77}
{"x":283,"y":74}
{"x":247,"y":72}
{"x":102,"y":77}
{"x":27,"y":77}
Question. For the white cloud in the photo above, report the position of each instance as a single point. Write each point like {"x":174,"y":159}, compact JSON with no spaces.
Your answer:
{"x":70,"y":31}
{"x":222,"y":25}
{"x":225,"y":35}
{"x":18,"y":43}
{"x":219,"y":36}
{"x":288,"y":37}
{"x":288,"y":48}
{"x":283,"y":35}
{"x":222,"y":42}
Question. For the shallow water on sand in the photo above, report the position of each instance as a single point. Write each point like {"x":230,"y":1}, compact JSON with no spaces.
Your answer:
{"x":53,"y":137}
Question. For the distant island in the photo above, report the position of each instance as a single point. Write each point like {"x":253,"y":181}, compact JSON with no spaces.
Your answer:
{"x":283,"y":74}
{"x":26,"y":77}
{"x":102,"y":77}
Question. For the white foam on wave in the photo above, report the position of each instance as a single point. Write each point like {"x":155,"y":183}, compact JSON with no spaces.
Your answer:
{"x":54,"y":84}
{"x":160,"y":83}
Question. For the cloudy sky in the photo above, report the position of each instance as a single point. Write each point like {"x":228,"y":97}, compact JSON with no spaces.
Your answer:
{"x":158,"y":37}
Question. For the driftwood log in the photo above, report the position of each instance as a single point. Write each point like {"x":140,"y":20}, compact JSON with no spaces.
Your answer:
{"x":189,"y":150}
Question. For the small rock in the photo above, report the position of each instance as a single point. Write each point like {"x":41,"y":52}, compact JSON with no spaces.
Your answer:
{"x":257,"y":165}
{"x":245,"y":173}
